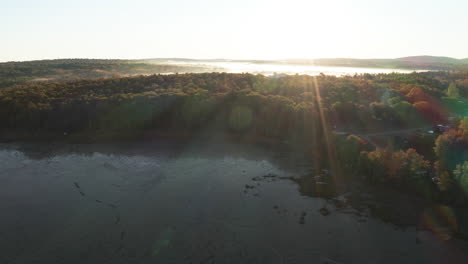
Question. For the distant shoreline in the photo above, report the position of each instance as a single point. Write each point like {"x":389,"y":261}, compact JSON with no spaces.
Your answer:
{"x":407,"y":63}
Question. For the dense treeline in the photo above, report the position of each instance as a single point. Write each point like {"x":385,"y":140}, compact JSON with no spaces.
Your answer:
{"x":401,"y":129}
{"x":13,"y":73}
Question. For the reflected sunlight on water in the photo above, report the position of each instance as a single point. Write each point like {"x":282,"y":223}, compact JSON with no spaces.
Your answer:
{"x":270,"y":69}
{"x":157,"y":203}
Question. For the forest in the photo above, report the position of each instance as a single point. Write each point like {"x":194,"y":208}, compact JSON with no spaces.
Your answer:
{"x":409,"y":131}
{"x":14,"y":73}
{"x":28,"y":72}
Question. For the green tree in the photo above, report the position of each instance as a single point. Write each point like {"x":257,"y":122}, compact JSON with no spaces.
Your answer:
{"x":452,"y":90}
{"x":461,"y":176}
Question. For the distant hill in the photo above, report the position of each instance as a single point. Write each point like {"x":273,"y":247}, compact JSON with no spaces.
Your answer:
{"x":413,"y":62}
{"x":430,"y":59}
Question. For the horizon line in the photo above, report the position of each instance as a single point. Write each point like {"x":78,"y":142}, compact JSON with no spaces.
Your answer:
{"x":227,"y":59}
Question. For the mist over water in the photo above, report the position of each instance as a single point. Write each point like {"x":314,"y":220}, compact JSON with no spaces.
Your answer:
{"x":270,"y":69}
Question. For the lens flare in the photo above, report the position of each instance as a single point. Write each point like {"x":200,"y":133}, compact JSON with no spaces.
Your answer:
{"x":441,"y":221}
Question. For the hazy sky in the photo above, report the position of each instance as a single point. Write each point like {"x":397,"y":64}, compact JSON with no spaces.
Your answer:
{"x":238,"y":29}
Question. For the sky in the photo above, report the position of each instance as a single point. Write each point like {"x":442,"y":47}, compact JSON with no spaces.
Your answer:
{"x":237,"y":29}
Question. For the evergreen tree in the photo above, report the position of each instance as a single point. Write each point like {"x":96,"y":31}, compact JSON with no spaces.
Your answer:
{"x":453,"y":90}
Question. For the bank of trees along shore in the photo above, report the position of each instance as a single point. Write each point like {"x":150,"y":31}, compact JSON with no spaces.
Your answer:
{"x":14,"y":73}
{"x":403,"y":129}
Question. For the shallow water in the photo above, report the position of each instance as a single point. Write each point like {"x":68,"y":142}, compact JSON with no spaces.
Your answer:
{"x":167,"y":203}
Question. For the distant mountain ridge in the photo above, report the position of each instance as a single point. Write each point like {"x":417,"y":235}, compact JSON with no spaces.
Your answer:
{"x":433,"y":59}
{"x":412,"y":62}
